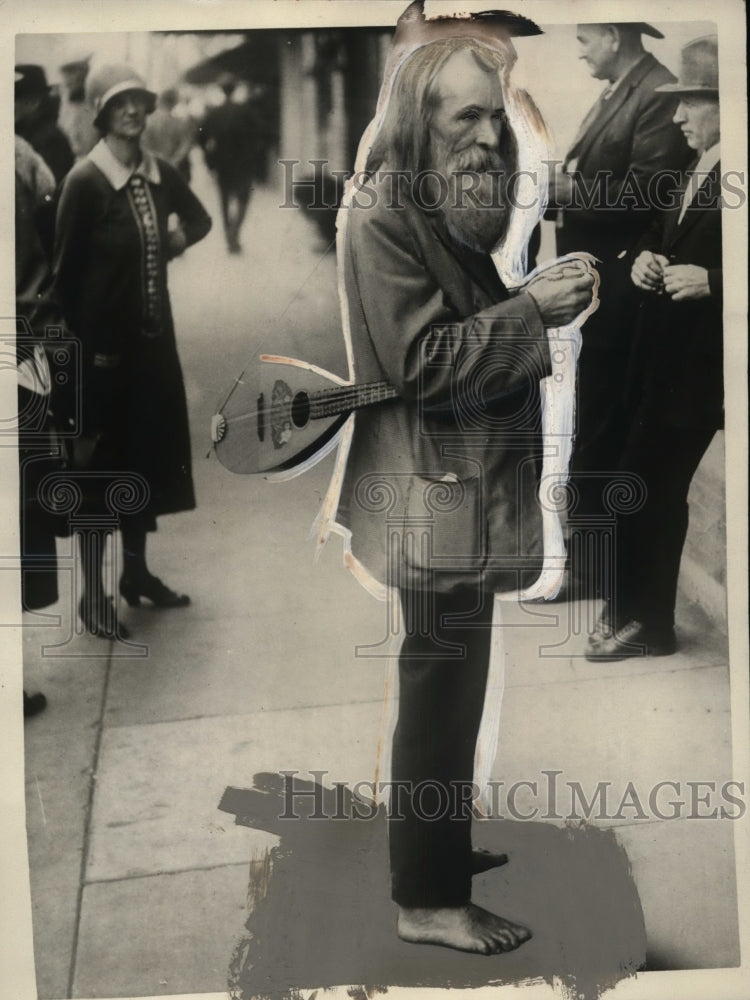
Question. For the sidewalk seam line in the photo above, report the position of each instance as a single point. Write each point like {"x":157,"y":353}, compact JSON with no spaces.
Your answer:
{"x":236,"y":715}
{"x":625,"y":675}
{"x":174,"y":871}
{"x":87,"y":831}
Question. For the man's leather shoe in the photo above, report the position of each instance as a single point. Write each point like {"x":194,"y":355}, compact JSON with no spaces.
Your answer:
{"x":632,"y":639}
{"x":606,"y":624}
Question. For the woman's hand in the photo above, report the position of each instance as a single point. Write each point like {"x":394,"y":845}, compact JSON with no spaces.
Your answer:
{"x":176,"y":241}
{"x":647,"y":271}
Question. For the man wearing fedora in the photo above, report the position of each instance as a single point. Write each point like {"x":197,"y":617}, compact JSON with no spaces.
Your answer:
{"x":36,"y":109}
{"x":676,"y":374}
{"x":606,"y":203}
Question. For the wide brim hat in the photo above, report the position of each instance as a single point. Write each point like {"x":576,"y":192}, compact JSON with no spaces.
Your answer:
{"x":107,"y":82}
{"x":648,"y":29}
{"x":699,"y":69}
{"x":641,"y":26}
{"x":30,"y":81}
{"x":493,"y":27}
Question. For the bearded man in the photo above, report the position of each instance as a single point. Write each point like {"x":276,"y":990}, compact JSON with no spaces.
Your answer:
{"x":439,"y":493}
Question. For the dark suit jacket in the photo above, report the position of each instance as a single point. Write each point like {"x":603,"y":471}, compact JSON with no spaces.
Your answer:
{"x":444,"y":479}
{"x":678,"y":375}
{"x":630,"y":140}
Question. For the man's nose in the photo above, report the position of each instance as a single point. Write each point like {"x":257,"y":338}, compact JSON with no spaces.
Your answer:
{"x":488,"y":133}
{"x":679,"y":115}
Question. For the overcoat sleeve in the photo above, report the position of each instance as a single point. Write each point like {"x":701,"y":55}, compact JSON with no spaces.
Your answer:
{"x":653,"y":157}
{"x":75,"y":213}
{"x":651,"y":239}
{"x":194,"y":219}
{"x":412,"y":321}
{"x":658,"y":145}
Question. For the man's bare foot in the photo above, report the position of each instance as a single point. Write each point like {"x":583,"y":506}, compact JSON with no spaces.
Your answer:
{"x":466,"y":928}
{"x":482,"y":860}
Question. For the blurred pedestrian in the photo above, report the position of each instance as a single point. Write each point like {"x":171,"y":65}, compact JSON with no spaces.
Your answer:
{"x":626,"y":138}
{"x":230,"y":138}
{"x":76,"y":115}
{"x":36,"y":110}
{"x":112,"y":244}
{"x":169,"y":136}
{"x":677,"y":376}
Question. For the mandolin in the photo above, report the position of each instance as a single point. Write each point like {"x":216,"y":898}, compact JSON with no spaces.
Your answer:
{"x":285,"y":414}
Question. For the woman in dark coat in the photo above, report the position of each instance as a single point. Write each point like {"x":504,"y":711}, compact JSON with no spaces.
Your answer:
{"x":113,"y":240}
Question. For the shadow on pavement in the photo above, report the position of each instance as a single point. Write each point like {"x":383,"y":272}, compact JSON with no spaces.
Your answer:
{"x":321,"y":916}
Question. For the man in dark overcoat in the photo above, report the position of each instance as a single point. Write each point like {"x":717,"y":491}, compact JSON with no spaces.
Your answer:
{"x":35,"y":113}
{"x":676,"y":375}
{"x":439,"y":492}
{"x":623,"y":163}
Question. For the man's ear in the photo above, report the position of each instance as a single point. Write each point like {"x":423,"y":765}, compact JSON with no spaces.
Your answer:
{"x":613,"y":32}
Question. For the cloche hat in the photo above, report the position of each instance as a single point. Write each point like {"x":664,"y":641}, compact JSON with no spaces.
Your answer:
{"x":109,"y":81}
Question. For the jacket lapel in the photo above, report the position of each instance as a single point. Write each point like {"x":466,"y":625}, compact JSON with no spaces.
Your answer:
{"x":611,"y":107}
{"x":708,"y":195}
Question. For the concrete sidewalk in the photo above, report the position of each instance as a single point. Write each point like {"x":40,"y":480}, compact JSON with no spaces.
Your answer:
{"x":139,"y":882}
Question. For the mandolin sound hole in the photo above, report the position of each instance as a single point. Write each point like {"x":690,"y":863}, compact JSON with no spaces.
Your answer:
{"x":300,"y":409}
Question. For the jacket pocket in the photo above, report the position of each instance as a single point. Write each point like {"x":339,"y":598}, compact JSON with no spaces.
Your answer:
{"x":445,"y":524}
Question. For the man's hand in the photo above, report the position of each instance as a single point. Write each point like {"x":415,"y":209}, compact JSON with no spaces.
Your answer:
{"x":686,"y":281}
{"x":560,"y":188}
{"x":561,"y":292}
{"x":647,"y":270}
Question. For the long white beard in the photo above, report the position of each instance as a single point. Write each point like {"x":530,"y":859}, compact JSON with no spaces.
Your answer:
{"x":479,"y":218}
{"x":476,"y":208}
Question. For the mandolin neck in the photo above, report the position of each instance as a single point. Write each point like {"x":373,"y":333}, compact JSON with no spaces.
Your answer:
{"x":330,"y":402}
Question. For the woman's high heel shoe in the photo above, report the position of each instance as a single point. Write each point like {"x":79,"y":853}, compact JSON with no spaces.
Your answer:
{"x":134,"y":588}
{"x":100,"y":618}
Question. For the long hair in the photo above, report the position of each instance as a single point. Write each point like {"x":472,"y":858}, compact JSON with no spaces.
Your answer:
{"x":403,"y":138}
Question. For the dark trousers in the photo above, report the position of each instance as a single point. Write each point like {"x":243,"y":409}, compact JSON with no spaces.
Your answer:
{"x":600,"y":432}
{"x":648,"y":542}
{"x":234,"y":193}
{"x":601,"y":426}
{"x":441,"y":696}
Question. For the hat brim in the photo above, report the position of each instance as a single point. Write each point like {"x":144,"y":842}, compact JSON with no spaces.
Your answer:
{"x":122,"y":88}
{"x":649,"y":29}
